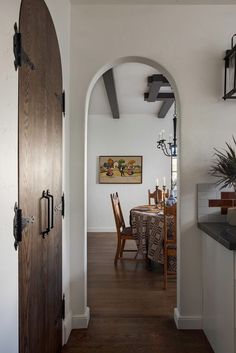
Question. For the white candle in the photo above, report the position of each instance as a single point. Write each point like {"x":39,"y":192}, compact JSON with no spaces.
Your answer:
{"x":164,"y":181}
{"x":157,"y":182}
{"x":160,"y":135}
{"x":163,"y":134}
{"x":170,"y":137}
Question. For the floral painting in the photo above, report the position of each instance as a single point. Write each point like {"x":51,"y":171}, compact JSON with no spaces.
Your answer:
{"x":120,"y":169}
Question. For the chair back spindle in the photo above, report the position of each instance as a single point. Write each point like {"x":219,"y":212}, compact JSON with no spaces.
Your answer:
{"x":123,"y":233}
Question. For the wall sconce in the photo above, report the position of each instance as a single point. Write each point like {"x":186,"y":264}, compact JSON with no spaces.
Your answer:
{"x":230,"y":72}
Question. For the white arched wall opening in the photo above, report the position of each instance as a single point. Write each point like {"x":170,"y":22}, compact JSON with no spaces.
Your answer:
{"x":162,"y":70}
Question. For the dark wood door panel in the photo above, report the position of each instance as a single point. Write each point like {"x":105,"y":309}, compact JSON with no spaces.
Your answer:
{"x":40,"y":155}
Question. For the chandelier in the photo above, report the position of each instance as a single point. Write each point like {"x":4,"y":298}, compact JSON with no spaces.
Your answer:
{"x":169,"y":148}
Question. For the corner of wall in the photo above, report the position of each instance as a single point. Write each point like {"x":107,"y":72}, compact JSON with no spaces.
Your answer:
{"x":81,"y":320}
{"x":187,"y":322}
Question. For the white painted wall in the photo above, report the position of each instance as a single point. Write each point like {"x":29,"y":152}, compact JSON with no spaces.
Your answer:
{"x":8,"y":180}
{"x":129,"y":135}
{"x":9,"y":14}
{"x":189,"y":41}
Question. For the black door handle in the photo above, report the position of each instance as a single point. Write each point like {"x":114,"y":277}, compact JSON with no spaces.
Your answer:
{"x":47,"y":230}
{"x":52,"y":209}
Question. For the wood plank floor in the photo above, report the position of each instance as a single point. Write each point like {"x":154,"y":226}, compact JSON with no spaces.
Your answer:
{"x":130,"y":312}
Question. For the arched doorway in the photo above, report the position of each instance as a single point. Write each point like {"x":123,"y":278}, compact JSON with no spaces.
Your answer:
{"x":104,"y":69}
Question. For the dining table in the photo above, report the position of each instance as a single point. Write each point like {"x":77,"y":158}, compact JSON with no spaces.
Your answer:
{"x":147,"y":223}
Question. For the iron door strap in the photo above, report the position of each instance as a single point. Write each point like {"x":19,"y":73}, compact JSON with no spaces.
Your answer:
{"x":19,"y":224}
{"x":20,"y":55}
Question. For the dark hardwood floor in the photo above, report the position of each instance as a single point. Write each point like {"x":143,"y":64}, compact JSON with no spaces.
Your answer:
{"x":130,"y":312}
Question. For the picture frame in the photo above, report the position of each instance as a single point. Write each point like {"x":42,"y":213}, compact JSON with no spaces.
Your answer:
{"x":120,"y":169}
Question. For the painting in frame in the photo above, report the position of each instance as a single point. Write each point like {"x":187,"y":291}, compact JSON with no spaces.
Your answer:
{"x":120,"y":169}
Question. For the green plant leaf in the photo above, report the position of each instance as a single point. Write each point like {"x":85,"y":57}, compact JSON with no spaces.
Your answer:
{"x":224,"y":166}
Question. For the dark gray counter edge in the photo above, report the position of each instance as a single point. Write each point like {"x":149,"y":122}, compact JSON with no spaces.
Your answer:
{"x":224,"y":233}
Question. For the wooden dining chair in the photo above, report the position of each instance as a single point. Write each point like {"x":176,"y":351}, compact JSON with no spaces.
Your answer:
{"x":153,"y":196}
{"x":169,"y":242}
{"x":123,"y":233}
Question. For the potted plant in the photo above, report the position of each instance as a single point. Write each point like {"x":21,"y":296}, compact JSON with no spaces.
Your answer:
{"x":224,"y":166}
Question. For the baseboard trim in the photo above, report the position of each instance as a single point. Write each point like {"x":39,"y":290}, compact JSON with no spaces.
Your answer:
{"x":82,"y":320}
{"x":101,"y":230}
{"x":66,"y":328}
{"x":187,"y":322}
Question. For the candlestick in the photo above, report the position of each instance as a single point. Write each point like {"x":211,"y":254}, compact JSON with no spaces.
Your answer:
{"x":164,"y":181}
{"x":157,"y":199}
{"x":164,"y":194}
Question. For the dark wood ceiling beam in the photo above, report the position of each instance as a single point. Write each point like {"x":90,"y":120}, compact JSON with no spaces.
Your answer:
{"x":167,"y":103}
{"x":158,"y":78}
{"x":154,"y":89}
{"x":160,"y":96}
{"x":155,"y":82}
{"x":109,"y":83}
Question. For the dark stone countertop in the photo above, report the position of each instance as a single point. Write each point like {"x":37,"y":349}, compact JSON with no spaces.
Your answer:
{"x":224,"y":233}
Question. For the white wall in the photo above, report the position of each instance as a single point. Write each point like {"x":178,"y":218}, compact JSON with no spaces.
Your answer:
{"x":8,"y":181}
{"x":129,"y":135}
{"x":8,"y":160}
{"x":189,"y":41}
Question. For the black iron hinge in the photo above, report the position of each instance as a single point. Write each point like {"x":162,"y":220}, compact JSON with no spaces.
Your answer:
{"x":63,"y":307}
{"x":62,"y":100}
{"x":17,"y":47}
{"x":63,"y":205}
{"x":63,"y":103}
{"x":19,"y":53}
{"x":19,"y":224}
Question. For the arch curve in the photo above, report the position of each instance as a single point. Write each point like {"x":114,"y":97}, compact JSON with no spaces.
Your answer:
{"x":130,"y":59}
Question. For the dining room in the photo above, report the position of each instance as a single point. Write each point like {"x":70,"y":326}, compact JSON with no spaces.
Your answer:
{"x":133,"y":134}
{"x":132,"y":179}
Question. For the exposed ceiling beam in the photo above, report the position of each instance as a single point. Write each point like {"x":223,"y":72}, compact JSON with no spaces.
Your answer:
{"x":153,"y":91}
{"x":160,"y":96}
{"x":165,"y":107}
{"x":163,"y":96}
{"x":155,"y":82}
{"x":156,"y":78}
{"x":109,"y":83}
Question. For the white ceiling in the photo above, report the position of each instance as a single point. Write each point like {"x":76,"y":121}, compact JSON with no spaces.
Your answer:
{"x":131,"y":83}
{"x":154,"y":2}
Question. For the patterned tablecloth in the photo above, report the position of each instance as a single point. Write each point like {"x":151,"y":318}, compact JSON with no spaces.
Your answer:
{"x":148,"y":229}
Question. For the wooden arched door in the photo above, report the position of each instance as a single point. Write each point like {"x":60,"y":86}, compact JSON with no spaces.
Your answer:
{"x":40,"y":181}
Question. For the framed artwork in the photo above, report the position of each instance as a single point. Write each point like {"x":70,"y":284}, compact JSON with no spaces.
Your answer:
{"x":120,"y":169}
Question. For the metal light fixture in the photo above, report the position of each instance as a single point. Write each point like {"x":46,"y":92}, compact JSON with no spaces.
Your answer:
{"x":230,"y":72}
{"x":169,"y":149}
